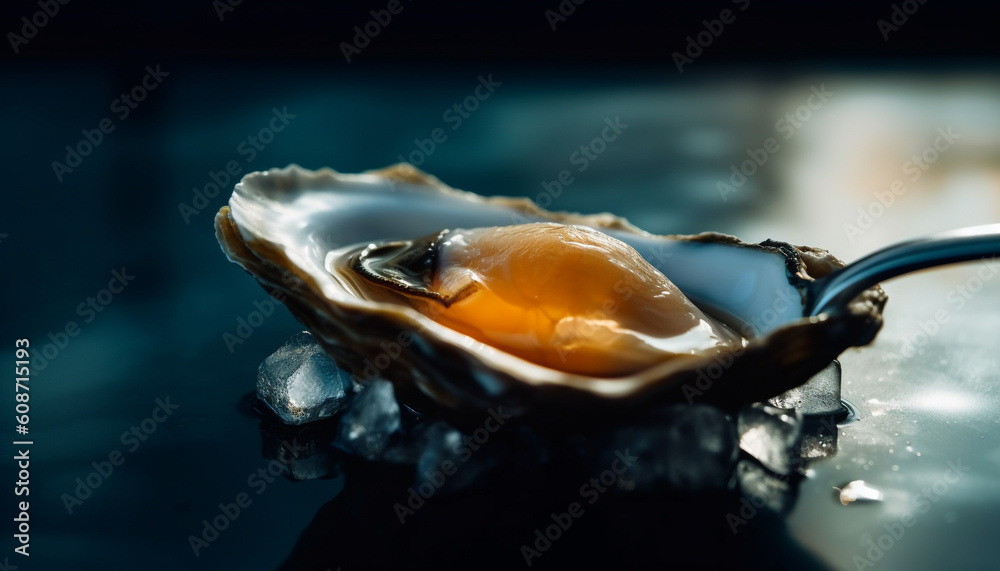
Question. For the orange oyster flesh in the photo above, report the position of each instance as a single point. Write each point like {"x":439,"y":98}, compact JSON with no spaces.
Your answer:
{"x":566,"y":297}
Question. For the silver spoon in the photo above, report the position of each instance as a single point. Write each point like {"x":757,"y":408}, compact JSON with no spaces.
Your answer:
{"x":820,"y":396}
{"x":840,"y":287}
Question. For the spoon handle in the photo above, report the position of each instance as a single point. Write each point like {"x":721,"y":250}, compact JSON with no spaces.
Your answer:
{"x":839,"y":288}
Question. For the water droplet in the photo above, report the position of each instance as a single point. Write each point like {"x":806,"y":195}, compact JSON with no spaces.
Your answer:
{"x":895,"y":468}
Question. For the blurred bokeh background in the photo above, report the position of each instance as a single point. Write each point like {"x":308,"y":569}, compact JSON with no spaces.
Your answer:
{"x":843,"y":126}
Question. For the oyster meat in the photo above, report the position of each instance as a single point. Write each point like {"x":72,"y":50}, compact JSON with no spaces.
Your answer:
{"x":478,"y":302}
{"x":566,"y":297}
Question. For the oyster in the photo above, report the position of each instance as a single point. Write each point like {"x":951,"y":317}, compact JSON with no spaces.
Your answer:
{"x":377,"y":267}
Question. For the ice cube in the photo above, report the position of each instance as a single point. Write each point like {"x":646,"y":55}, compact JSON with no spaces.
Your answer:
{"x":685,"y":447}
{"x":407,"y":447}
{"x":773,"y":436}
{"x":819,"y":395}
{"x":370,"y":422}
{"x":300,"y":382}
{"x":762,"y":487}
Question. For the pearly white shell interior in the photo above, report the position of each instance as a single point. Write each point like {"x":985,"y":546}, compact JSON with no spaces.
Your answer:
{"x":320,"y":213}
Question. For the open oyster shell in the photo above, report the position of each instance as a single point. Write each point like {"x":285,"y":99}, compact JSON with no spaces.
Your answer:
{"x":283,"y":225}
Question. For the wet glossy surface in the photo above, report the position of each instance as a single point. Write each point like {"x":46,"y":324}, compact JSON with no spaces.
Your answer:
{"x":927,"y":436}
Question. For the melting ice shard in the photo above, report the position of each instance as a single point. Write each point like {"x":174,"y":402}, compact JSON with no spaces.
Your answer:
{"x":373,"y":418}
{"x":300,"y":383}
